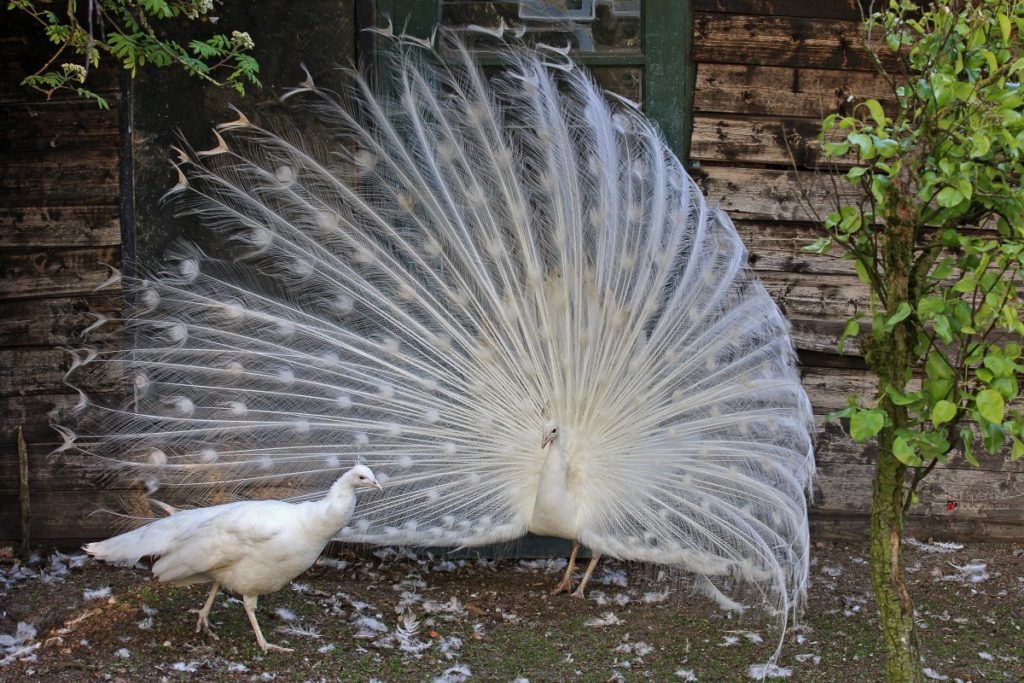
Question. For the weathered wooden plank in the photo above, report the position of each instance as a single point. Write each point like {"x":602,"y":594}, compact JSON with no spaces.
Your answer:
{"x":776,"y":195}
{"x":56,"y":272}
{"x":778,"y":246}
{"x":60,"y":321}
{"x":784,"y":91}
{"x":776,"y":141}
{"x":59,"y":178}
{"x":834,"y":445}
{"x":36,"y":412}
{"x":981,"y":495}
{"x":780,"y":41}
{"x":72,"y":514}
{"x":828,"y":388}
{"x":61,"y":126}
{"x":834,"y":9}
{"x":818,"y":297}
{"x":60,"y":226}
{"x":28,"y":371}
{"x":830,"y":526}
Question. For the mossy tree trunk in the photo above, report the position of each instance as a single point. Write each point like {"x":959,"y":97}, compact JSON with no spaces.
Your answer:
{"x":891,"y":358}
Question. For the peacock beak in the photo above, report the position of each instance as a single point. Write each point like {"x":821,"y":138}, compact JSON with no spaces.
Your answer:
{"x":546,"y":441}
{"x":376,"y":485}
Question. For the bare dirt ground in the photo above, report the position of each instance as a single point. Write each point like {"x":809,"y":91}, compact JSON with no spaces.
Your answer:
{"x":393,"y":616}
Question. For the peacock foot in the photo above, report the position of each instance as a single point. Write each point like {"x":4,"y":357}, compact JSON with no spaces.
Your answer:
{"x":203,"y":624}
{"x":578,"y":593}
{"x":268,"y":647}
{"x":564,"y":586}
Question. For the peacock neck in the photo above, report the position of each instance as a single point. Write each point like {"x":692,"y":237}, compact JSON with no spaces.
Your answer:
{"x":554,"y":510}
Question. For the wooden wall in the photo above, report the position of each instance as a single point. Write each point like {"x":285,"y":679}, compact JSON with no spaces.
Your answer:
{"x":59,"y":231}
{"x":767,"y":72}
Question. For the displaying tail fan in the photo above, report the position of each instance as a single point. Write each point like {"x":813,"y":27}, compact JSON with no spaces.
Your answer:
{"x":503,"y":294}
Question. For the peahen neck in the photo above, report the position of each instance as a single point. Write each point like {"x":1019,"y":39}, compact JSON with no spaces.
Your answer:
{"x":332,"y":512}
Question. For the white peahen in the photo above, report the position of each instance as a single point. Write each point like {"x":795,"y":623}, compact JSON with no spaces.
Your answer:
{"x":250,"y":548}
{"x":506,"y":294}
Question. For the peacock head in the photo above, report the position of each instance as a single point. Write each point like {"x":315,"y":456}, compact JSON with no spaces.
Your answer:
{"x":361,"y":477}
{"x":548,"y":434}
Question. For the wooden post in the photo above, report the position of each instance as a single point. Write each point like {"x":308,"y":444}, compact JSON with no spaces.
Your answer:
{"x":23,"y":491}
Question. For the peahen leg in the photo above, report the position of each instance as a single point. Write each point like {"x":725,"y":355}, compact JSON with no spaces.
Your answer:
{"x":565,"y":585}
{"x":249,"y":602}
{"x":578,"y":593}
{"x":203,"y":624}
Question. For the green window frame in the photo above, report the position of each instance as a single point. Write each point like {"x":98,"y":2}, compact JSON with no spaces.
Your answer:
{"x":665,"y":58}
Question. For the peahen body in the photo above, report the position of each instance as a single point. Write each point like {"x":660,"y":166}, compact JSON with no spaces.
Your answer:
{"x":508,"y":295}
{"x":250,"y":548}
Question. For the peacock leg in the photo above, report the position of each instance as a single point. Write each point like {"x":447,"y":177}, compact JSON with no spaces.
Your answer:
{"x":565,"y":585}
{"x":249,"y":602}
{"x":203,"y":624}
{"x":578,"y":593}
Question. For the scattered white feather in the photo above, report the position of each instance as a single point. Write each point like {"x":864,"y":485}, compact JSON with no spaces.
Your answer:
{"x":754,"y":637}
{"x":324,"y":649}
{"x":934,"y":675}
{"x":729,"y":641}
{"x":934,"y":546}
{"x":454,"y":674}
{"x":450,"y":646}
{"x":686,"y":675}
{"x":987,"y":656}
{"x":614,"y":577}
{"x":808,"y":657}
{"x":651,"y":597}
{"x":285,"y":614}
{"x":300,"y":631}
{"x":369,"y":627}
{"x":761,"y":671}
{"x":96,"y":593}
{"x":185,"y":667}
{"x":123,"y":653}
{"x":606,"y":619}
{"x":301,"y":588}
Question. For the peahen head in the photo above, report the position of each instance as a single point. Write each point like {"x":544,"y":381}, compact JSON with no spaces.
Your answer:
{"x":361,"y":477}
{"x":549,"y":433}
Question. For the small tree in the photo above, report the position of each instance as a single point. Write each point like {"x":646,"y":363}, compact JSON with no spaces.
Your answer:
{"x":938,"y":238}
{"x":134,"y":32}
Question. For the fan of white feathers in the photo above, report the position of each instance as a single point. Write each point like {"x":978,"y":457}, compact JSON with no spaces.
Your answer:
{"x":506,"y":296}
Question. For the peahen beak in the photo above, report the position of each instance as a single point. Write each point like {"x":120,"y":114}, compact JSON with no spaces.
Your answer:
{"x":546,"y":441}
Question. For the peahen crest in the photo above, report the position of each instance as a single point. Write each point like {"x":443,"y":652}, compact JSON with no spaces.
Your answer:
{"x":432,"y":283}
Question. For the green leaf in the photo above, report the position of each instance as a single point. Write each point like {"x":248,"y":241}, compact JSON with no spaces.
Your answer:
{"x":1004,"y":26}
{"x":902,"y":311}
{"x":852,"y":329}
{"x":942,"y":328}
{"x":875,"y":109}
{"x":818,"y":246}
{"x":949,"y":197}
{"x":980,"y":145}
{"x":905,"y":453}
{"x":991,"y":405}
{"x":864,"y":424}
{"x":1016,"y":448}
{"x":943,"y":412}
{"x":967,"y":437}
{"x":862,"y":272}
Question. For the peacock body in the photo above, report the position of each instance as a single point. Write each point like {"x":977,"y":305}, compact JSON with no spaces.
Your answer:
{"x":505,"y":295}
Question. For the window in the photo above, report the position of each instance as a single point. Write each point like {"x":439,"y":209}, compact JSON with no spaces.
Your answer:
{"x":639,"y":49}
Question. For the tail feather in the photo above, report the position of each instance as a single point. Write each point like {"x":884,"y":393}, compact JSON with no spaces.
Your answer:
{"x":422,"y":281}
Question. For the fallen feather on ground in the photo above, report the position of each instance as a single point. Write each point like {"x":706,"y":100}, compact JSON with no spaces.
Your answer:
{"x":761,"y":671}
